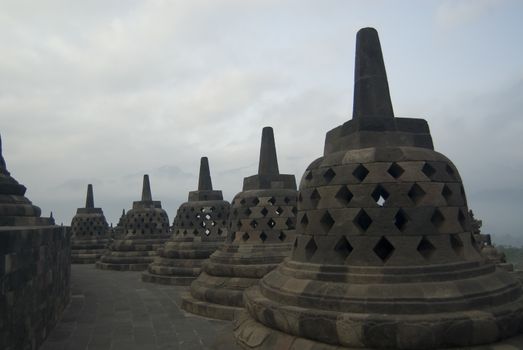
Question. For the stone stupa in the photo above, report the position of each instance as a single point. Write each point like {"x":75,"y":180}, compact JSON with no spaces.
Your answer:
{"x":119,"y":230}
{"x":384,"y":256}
{"x":146,"y":230}
{"x":35,"y":268}
{"x":261,"y":231}
{"x":90,"y":232}
{"x":199,"y":229}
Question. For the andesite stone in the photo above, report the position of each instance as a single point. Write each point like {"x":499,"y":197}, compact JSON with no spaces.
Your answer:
{"x":261,"y":231}
{"x":146,"y":230}
{"x":199,"y":228}
{"x":385,"y":256}
{"x":90,"y":232}
{"x":35,"y":267}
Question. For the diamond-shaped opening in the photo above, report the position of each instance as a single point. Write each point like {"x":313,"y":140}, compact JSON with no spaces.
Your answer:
{"x":437,"y":219}
{"x":401,"y":219}
{"x":207,"y":217}
{"x":327,"y":221}
{"x":426,"y":248}
{"x":457,"y":244}
{"x":197,"y":216}
{"x":253,"y":224}
{"x":213,"y":223}
{"x":310,"y":249}
{"x":315,"y":198}
{"x":428,"y":170}
{"x":383,"y":249}
{"x":360,"y":172}
{"x":290,"y":224}
{"x":242,"y":202}
{"x":462,"y":220}
{"x":211,"y":209}
{"x":304,"y":220}
{"x":192,"y":209}
{"x":416,"y":193}
{"x":271,"y":223}
{"x":308,"y":177}
{"x":286,"y":200}
{"x":282,"y":236}
{"x":255,"y":201}
{"x":363,"y":220}
{"x":245,"y":236}
{"x":195,"y":232}
{"x":202,"y":210}
{"x":219,"y":232}
{"x":395,"y":170}
{"x":279,"y":211}
{"x":343,"y":248}
{"x":203,"y":224}
{"x":446,"y":192}
{"x":191,"y":224}
{"x":380,"y":195}
{"x":272,"y":200}
{"x":207,"y":231}
{"x":264,"y":211}
{"x":247,"y":212}
{"x":344,"y":196}
{"x":329,"y":175}
{"x":449,"y":170}
{"x":263,"y":236}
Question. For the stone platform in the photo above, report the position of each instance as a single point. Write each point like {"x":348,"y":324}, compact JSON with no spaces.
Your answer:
{"x":112,"y":310}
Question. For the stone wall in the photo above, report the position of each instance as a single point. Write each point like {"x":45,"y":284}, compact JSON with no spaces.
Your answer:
{"x":35,"y":274}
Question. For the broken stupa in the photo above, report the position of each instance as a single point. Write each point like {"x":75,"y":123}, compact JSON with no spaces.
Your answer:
{"x":384,"y":256}
{"x":146,"y":230}
{"x":261,"y":231}
{"x":199,"y":228}
{"x":90,"y":232}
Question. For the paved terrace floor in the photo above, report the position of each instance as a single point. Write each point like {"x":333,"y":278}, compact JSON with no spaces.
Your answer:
{"x":112,"y":310}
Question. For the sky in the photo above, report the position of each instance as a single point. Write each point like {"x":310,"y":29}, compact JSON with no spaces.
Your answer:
{"x":104,"y":91}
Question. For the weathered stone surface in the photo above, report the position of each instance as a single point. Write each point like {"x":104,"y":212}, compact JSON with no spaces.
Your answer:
{"x":146,"y":230}
{"x":200,"y":227}
{"x":385,"y":256}
{"x":34,"y":268}
{"x":261,"y":230}
{"x":90,"y":232}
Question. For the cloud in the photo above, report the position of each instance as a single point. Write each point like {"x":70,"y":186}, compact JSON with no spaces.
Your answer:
{"x":453,"y":13}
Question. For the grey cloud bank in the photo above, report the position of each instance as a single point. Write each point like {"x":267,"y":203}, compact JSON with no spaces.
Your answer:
{"x":103,"y":92}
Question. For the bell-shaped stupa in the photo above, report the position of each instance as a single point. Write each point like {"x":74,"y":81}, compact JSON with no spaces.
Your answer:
{"x":384,"y":256}
{"x":261,"y":231}
{"x":146,"y":230}
{"x":119,"y":230}
{"x":90,"y":232}
{"x":200,"y":227}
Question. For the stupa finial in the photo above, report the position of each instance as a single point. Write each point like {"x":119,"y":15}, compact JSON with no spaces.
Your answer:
{"x":204,"y":181}
{"x":89,"y":200}
{"x":268,"y":160}
{"x":146,"y":189}
{"x":3,"y":166}
{"x":371,"y":88}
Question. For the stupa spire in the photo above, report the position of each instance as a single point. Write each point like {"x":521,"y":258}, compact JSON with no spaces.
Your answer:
{"x":3,"y":166}
{"x":268,"y":161}
{"x":371,"y":88}
{"x":146,"y":189}
{"x":89,"y":200}
{"x":204,"y":181}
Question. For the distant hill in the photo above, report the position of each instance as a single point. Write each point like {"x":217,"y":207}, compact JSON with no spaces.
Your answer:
{"x":514,"y":255}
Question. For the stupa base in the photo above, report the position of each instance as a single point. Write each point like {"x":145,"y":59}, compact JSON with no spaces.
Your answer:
{"x":250,"y":334}
{"x":167,"y":279}
{"x":121,"y":267}
{"x":210,"y":310}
